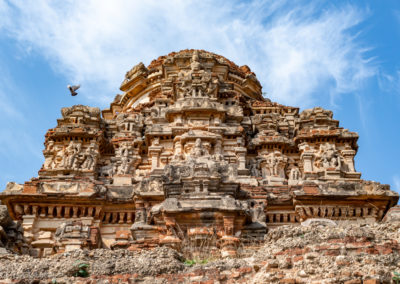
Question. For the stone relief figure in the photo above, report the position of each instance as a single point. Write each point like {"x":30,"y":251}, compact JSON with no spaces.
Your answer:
{"x":123,"y":153}
{"x":50,"y":146}
{"x":149,"y":185}
{"x":90,"y":157}
{"x":328,"y":157}
{"x":254,"y":168}
{"x":141,"y":216}
{"x":49,"y":154}
{"x":218,"y":152}
{"x":185,"y":86}
{"x":258,"y":214}
{"x":195,"y":64}
{"x":198,"y":149}
{"x":58,"y":158}
{"x":275,"y":163}
{"x":231,"y":173}
{"x":71,"y":160}
{"x":212,"y":88}
{"x":155,"y":186}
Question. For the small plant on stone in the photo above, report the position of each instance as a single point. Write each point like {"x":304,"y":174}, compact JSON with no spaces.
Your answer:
{"x":396,"y":277}
{"x":81,"y":269}
{"x":191,"y":262}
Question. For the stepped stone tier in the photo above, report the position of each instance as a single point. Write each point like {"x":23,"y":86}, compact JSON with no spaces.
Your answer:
{"x":191,"y":151}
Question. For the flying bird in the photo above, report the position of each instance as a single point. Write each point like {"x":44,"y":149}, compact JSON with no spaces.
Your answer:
{"x":72,"y":89}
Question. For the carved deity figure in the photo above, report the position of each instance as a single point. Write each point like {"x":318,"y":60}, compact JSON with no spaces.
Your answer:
{"x":155,"y":186}
{"x":232,"y":172}
{"x":198,"y":149}
{"x":90,"y":157}
{"x":218,"y":151}
{"x":328,"y":157}
{"x":254,"y":168}
{"x":185,"y":85}
{"x":58,"y":158}
{"x":195,"y":64}
{"x":125,"y":159}
{"x":71,"y":155}
{"x":49,"y":155}
{"x":275,"y":163}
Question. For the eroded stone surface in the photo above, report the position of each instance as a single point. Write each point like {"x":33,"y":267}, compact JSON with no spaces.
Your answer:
{"x":190,"y":151}
{"x":315,"y":254}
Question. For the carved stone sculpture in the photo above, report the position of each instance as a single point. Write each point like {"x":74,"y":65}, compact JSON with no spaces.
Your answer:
{"x":191,"y":150}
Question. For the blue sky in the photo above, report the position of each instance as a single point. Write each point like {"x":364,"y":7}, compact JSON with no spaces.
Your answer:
{"x":341,"y":55}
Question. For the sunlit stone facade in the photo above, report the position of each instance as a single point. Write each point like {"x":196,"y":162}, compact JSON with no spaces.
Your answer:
{"x":190,"y":151}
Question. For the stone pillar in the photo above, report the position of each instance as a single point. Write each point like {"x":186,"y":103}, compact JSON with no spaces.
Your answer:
{"x":154,"y":153}
{"x":307,"y":158}
{"x":28,"y":223}
{"x":177,"y":147}
{"x":348,"y":156}
{"x":241,"y":157}
{"x":229,"y":241}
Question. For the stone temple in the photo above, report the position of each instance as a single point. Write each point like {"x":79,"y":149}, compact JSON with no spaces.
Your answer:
{"x":191,"y":151}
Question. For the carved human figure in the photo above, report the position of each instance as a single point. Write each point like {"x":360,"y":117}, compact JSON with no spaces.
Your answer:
{"x":329,"y":157}
{"x":254,"y":171}
{"x":231,"y":172}
{"x":50,"y":146}
{"x":218,"y":151}
{"x":58,"y":160}
{"x":185,"y":85}
{"x":48,"y":162}
{"x":72,"y":152}
{"x":211,"y":89}
{"x":90,"y":157}
{"x":49,"y":155}
{"x":272,"y":163}
{"x":125,"y":160}
{"x":195,"y":64}
{"x":198,"y":150}
{"x":154,"y":186}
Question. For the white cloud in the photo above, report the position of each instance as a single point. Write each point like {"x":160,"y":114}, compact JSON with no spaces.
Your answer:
{"x":389,"y":83}
{"x":296,"y":53}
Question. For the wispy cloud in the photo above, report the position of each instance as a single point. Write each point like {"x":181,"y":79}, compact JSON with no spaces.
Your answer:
{"x":297,"y":54}
{"x":389,"y":83}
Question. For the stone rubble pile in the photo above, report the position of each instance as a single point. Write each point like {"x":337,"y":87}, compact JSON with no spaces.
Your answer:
{"x":11,"y":233}
{"x":100,"y":261}
{"x":319,"y":254}
{"x":305,"y":254}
